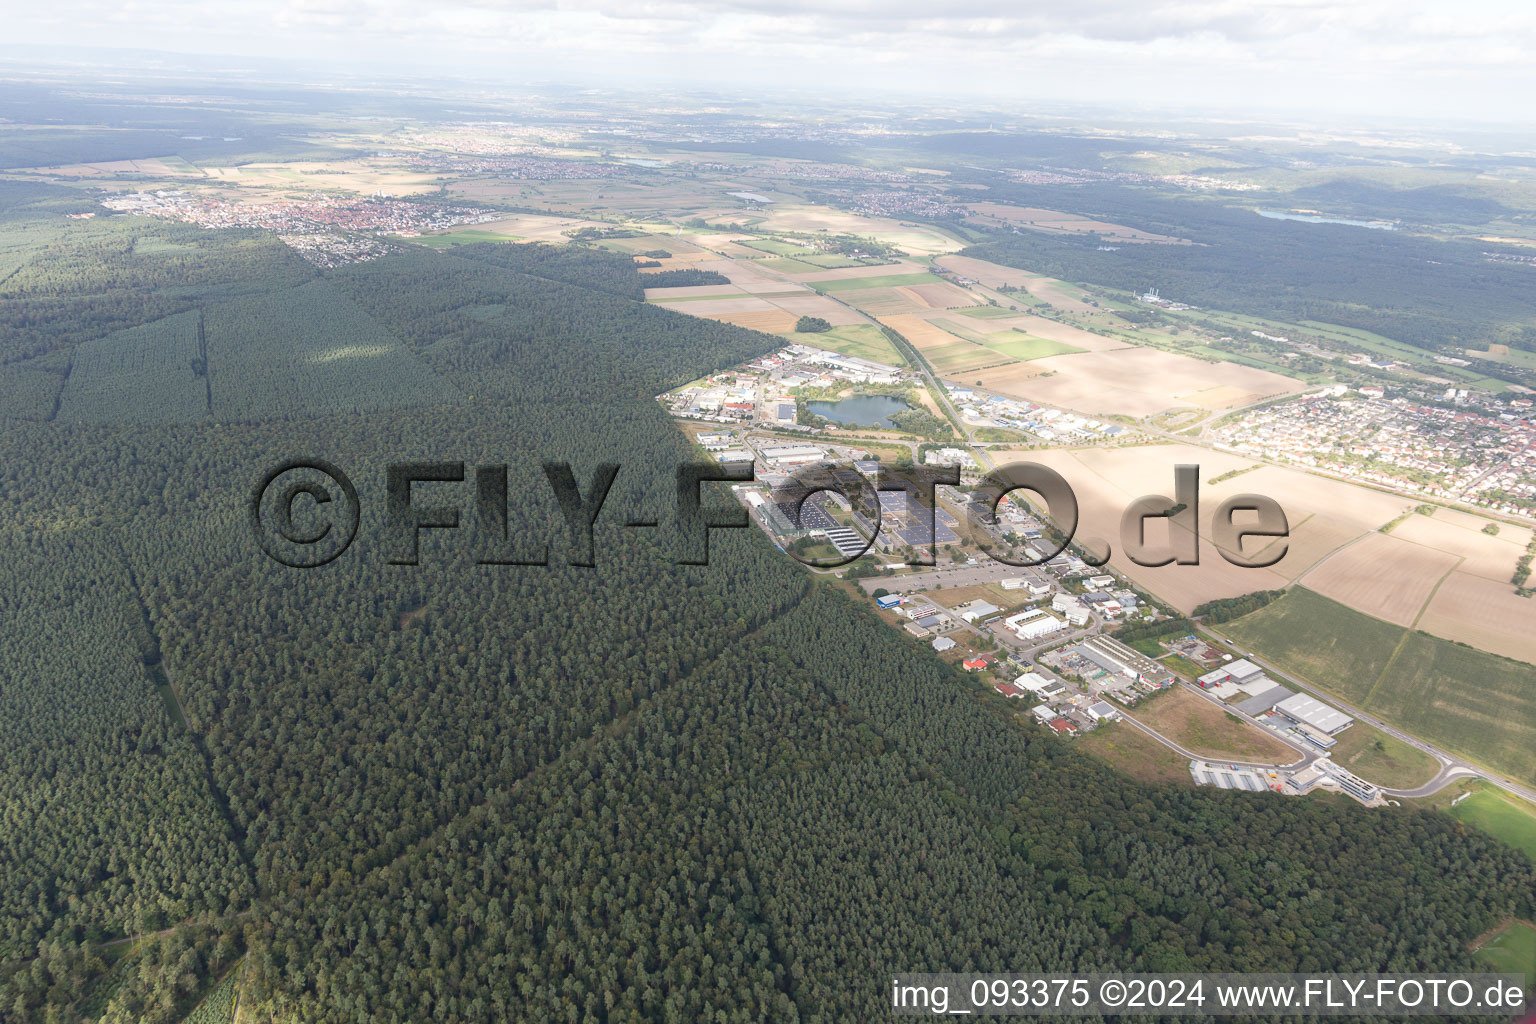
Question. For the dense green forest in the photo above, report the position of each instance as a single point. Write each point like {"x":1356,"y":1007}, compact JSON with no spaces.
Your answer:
{"x":1436,"y":294}
{"x":458,"y":792}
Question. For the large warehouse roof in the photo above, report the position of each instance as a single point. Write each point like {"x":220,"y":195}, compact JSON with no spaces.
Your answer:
{"x":1264,"y":700}
{"x":1315,"y":713}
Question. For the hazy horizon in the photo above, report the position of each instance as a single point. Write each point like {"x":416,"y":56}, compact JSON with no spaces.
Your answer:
{"x":1300,"y":59}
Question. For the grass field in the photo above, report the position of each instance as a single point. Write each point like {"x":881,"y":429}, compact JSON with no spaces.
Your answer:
{"x":832,"y":261}
{"x":776,"y":247}
{"x":1382,"y":759}
{"x":853,"y":284}
{"x":467,"y":237}
{"x":864,"y":341}
{"x":1501,"y":816}
{"x":786,"y":265}
{"x":1468,"y":701}
{"x":1198,"y":725}
{"x":1512,"y":951}
{"x":1127,"y":748}
{"x":1026,"y":346}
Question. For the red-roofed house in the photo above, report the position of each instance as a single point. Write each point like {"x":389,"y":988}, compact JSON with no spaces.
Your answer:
{"x":1009,"y":690}
{"x":974,"y":664}
{"x":1064,"y":727}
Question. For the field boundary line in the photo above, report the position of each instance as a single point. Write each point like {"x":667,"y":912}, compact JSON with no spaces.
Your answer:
{"x":1435,"y":590}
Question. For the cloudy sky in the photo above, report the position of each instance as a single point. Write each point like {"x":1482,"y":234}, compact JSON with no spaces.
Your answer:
{"x":1435,"y":58}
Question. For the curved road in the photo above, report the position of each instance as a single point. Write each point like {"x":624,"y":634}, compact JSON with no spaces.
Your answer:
{"x":1452,"y":768}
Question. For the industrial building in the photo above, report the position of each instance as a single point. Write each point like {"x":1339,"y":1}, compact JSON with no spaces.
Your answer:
{"x":1033,"y":623}
{"x":1229,"y":776}
{"x":942,"y":643}
{"x":977,"y":610}
{"x":789,"y":455}
{"x":888,"y":601}
{"x":1039,"y":685}
{"x":1113,"y":656}
{"x":1314,"y":714}
{"x":1260,"y":703}
{"x":1241,"y":673}
{"x":1100,"y":711}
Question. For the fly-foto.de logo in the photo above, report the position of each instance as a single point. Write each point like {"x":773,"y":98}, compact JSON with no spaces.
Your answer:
{"x":306,"y":512}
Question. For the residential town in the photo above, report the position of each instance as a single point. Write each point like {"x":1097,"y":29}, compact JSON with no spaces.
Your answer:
{"x":1453,"y":445}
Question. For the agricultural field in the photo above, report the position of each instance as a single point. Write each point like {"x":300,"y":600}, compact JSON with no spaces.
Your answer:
{"x":1065,"y":297}
{"x":1139,"y":381}
{"x":1201,"y":727}
{"x":309,"y":349}
{"x":149,"y":374}
{"x":848,"y":284}
{"x":769,"y":321}
{"x":1382,"y":576}
{"x":1416,"y":681}
{"x":1054,"y":222}
{"x":865,"y":341}
{"x":1461,"y":534}
{"x":1013,"y":342}
{"x":1487,"y":614}
{"x":919,"y":239}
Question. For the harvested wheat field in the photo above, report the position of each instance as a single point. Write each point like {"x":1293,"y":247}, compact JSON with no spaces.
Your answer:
{"x":1487,"y":614}
{"x":1357,"y":506}
{"x":920,"y":332}
{"x":1135,"y":381}
{"x":881,"y":302}
{"x":773,"y":321}
{"x":992,"y":275}
{"x":725,"y":304}
{"x":690,"y":291}
{"x":1382,"y":576}
{"x":751,"y":279}
{"x":811,"y":304}
{"x":1492,"y":558}
{"x":939,"y":295}
{"x":1040,"y":327}
{"x":849,"y":273}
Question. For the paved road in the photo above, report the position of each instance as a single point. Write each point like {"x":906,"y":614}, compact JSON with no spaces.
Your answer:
{"x":1452,"y":768}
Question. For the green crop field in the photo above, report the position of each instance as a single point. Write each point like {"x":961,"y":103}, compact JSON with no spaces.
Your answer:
{"x":861,"y":340}
{"x":466,"y":237}
{"x":1465,"y":700}
{"x":785,"y":265}
{"x":149,"y":374}
{"x":853,"y":284}
{"x":832,"y":261}
{"x":1502,"y":816}
{"x":1027,"y":346}
{"x":309,"y":349}
{"x":776,"y":247}
{"x":1512,"y":951}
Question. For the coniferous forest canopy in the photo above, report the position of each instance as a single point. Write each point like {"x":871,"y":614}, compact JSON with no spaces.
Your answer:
{"x":456,"y":792}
